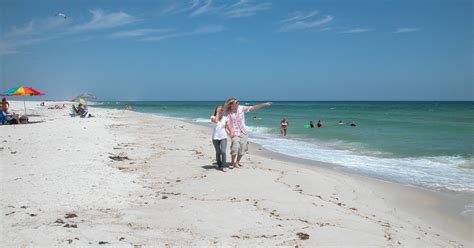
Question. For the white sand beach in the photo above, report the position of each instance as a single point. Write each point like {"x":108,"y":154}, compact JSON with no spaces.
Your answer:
{"x":126,"y":179}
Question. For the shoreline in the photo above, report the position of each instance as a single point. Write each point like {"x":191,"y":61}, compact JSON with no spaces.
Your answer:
{"x":449,"y":203}
{"x":441,"y":202}
{"x":133,"y":179}
{"x":327,"y":165}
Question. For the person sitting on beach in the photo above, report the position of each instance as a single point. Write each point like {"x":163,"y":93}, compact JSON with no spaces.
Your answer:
{"x":235,"y":114}
{"x":82,"y":111}
{"x":7,"y":117}
{"x":311,"y":124}
{"x":283,"y":126}
{"x":74,"y":111}
{"x":219,"y":136}
{"x":319,"y":124}
{"x":42,"y":104}
{"x":4,"y":105}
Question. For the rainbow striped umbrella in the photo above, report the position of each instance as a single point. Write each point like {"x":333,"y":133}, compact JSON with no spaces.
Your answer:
{"x":79,"y":100}
{"x":23,"y":91}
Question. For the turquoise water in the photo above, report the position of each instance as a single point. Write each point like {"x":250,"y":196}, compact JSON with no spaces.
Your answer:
{"x":427,"y":144}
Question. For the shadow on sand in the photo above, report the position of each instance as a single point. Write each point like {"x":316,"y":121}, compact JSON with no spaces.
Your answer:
{"x":210,"y":167}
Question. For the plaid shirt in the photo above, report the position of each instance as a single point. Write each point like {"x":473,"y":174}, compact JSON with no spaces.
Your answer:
{"x":236,"y":120}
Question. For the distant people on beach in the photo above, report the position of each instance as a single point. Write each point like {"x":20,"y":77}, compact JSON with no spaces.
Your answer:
{"x":42,"y":104}
{"x":283,"y":126}
{"x":235,"y":114}
{"x":128,"y":107}
{"x":57,"y":106}
{"x":81,"y":111}
{"x":319,"y":124}
{"x":311,"y":124}
{"x":219,"y":136}
{"x":353,"y":124}
{"x":341,"y":123}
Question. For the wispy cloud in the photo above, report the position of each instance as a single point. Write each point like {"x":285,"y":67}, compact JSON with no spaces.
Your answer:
{"x":176,"y":8}
{"x":299,"y":16}
{"x":356,"y":30}
{"x":33,"y":32}
{"x":407,"y":30}
{"x":195,"y":8}
{"x":201,"y":30}
{"x":244,"y":9}
{"x":299,"y":21}
{"x":50,"y":28}
{"x":102,"y":20}
{"x":203,"y":9}
{"x":139,"y":32}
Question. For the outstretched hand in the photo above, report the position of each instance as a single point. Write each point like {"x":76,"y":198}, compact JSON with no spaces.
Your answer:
{"x":268,"y":104}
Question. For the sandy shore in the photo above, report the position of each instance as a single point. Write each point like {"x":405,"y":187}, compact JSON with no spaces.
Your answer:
{"x":125,"y":179}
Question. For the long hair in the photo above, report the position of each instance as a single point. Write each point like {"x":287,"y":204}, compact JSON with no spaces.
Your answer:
{"x":215,"y":112}
{"x":228,"y":103}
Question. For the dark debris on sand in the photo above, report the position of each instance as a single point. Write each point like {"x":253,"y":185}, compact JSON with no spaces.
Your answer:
{"x":119,"y":158}
{"x":70,"y":215}
{"x":303,"y":236}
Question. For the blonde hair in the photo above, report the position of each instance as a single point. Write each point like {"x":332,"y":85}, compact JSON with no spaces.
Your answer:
{"x":229,"y":102}
{"x":215,"y":112}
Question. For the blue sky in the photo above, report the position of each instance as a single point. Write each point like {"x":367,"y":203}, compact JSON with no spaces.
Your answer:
{"x":255,"y":50}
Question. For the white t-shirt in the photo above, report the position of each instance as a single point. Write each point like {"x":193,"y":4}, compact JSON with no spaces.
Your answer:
{"x":219,"y":133}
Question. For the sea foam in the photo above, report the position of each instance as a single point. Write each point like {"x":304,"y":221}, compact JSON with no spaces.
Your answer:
{"x":442,"y":172}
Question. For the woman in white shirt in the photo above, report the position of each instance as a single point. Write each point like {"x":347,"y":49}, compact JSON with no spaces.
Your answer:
{"x":219,"y":136}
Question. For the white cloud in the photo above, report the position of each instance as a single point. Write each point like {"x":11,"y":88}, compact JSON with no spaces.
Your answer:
{"x":242,"y":8}
{"x":300,"y":24}
{"x":175,"y":8}
{"x":407,"y":30}
{"x":299,"y":16}
{"x":33,"y":32}
{"x":139,"y":32}
{"x":201,"y":30}
{"x":356,"y":30}
{"x":37,"y":31}
{"x":203,"y":9}
{"x":101,"y":20}
{"x":245,"y":9}
{"x":27,"y":29}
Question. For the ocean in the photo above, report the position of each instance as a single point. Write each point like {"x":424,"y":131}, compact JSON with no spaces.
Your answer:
{"x":426,"y":144}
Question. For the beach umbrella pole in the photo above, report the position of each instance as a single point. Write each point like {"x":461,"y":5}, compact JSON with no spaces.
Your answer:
{"x":24,"y":103}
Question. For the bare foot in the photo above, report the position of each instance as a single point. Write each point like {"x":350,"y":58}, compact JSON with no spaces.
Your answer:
{"x":237,"y":165}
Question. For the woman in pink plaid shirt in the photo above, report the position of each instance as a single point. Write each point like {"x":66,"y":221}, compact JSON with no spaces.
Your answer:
{"x":236,"y":125}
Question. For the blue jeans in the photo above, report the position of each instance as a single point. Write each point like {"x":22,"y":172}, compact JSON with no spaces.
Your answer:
{"x":220,"y":146}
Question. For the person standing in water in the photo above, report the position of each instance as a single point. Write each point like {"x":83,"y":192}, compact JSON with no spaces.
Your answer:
{"x":283,"y":126}
{"x":319,"y":124}
{"x":235,"y":114}
{"x":219,"y":136}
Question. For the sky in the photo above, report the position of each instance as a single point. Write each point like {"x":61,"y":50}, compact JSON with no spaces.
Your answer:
{"x":256,"y":50}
